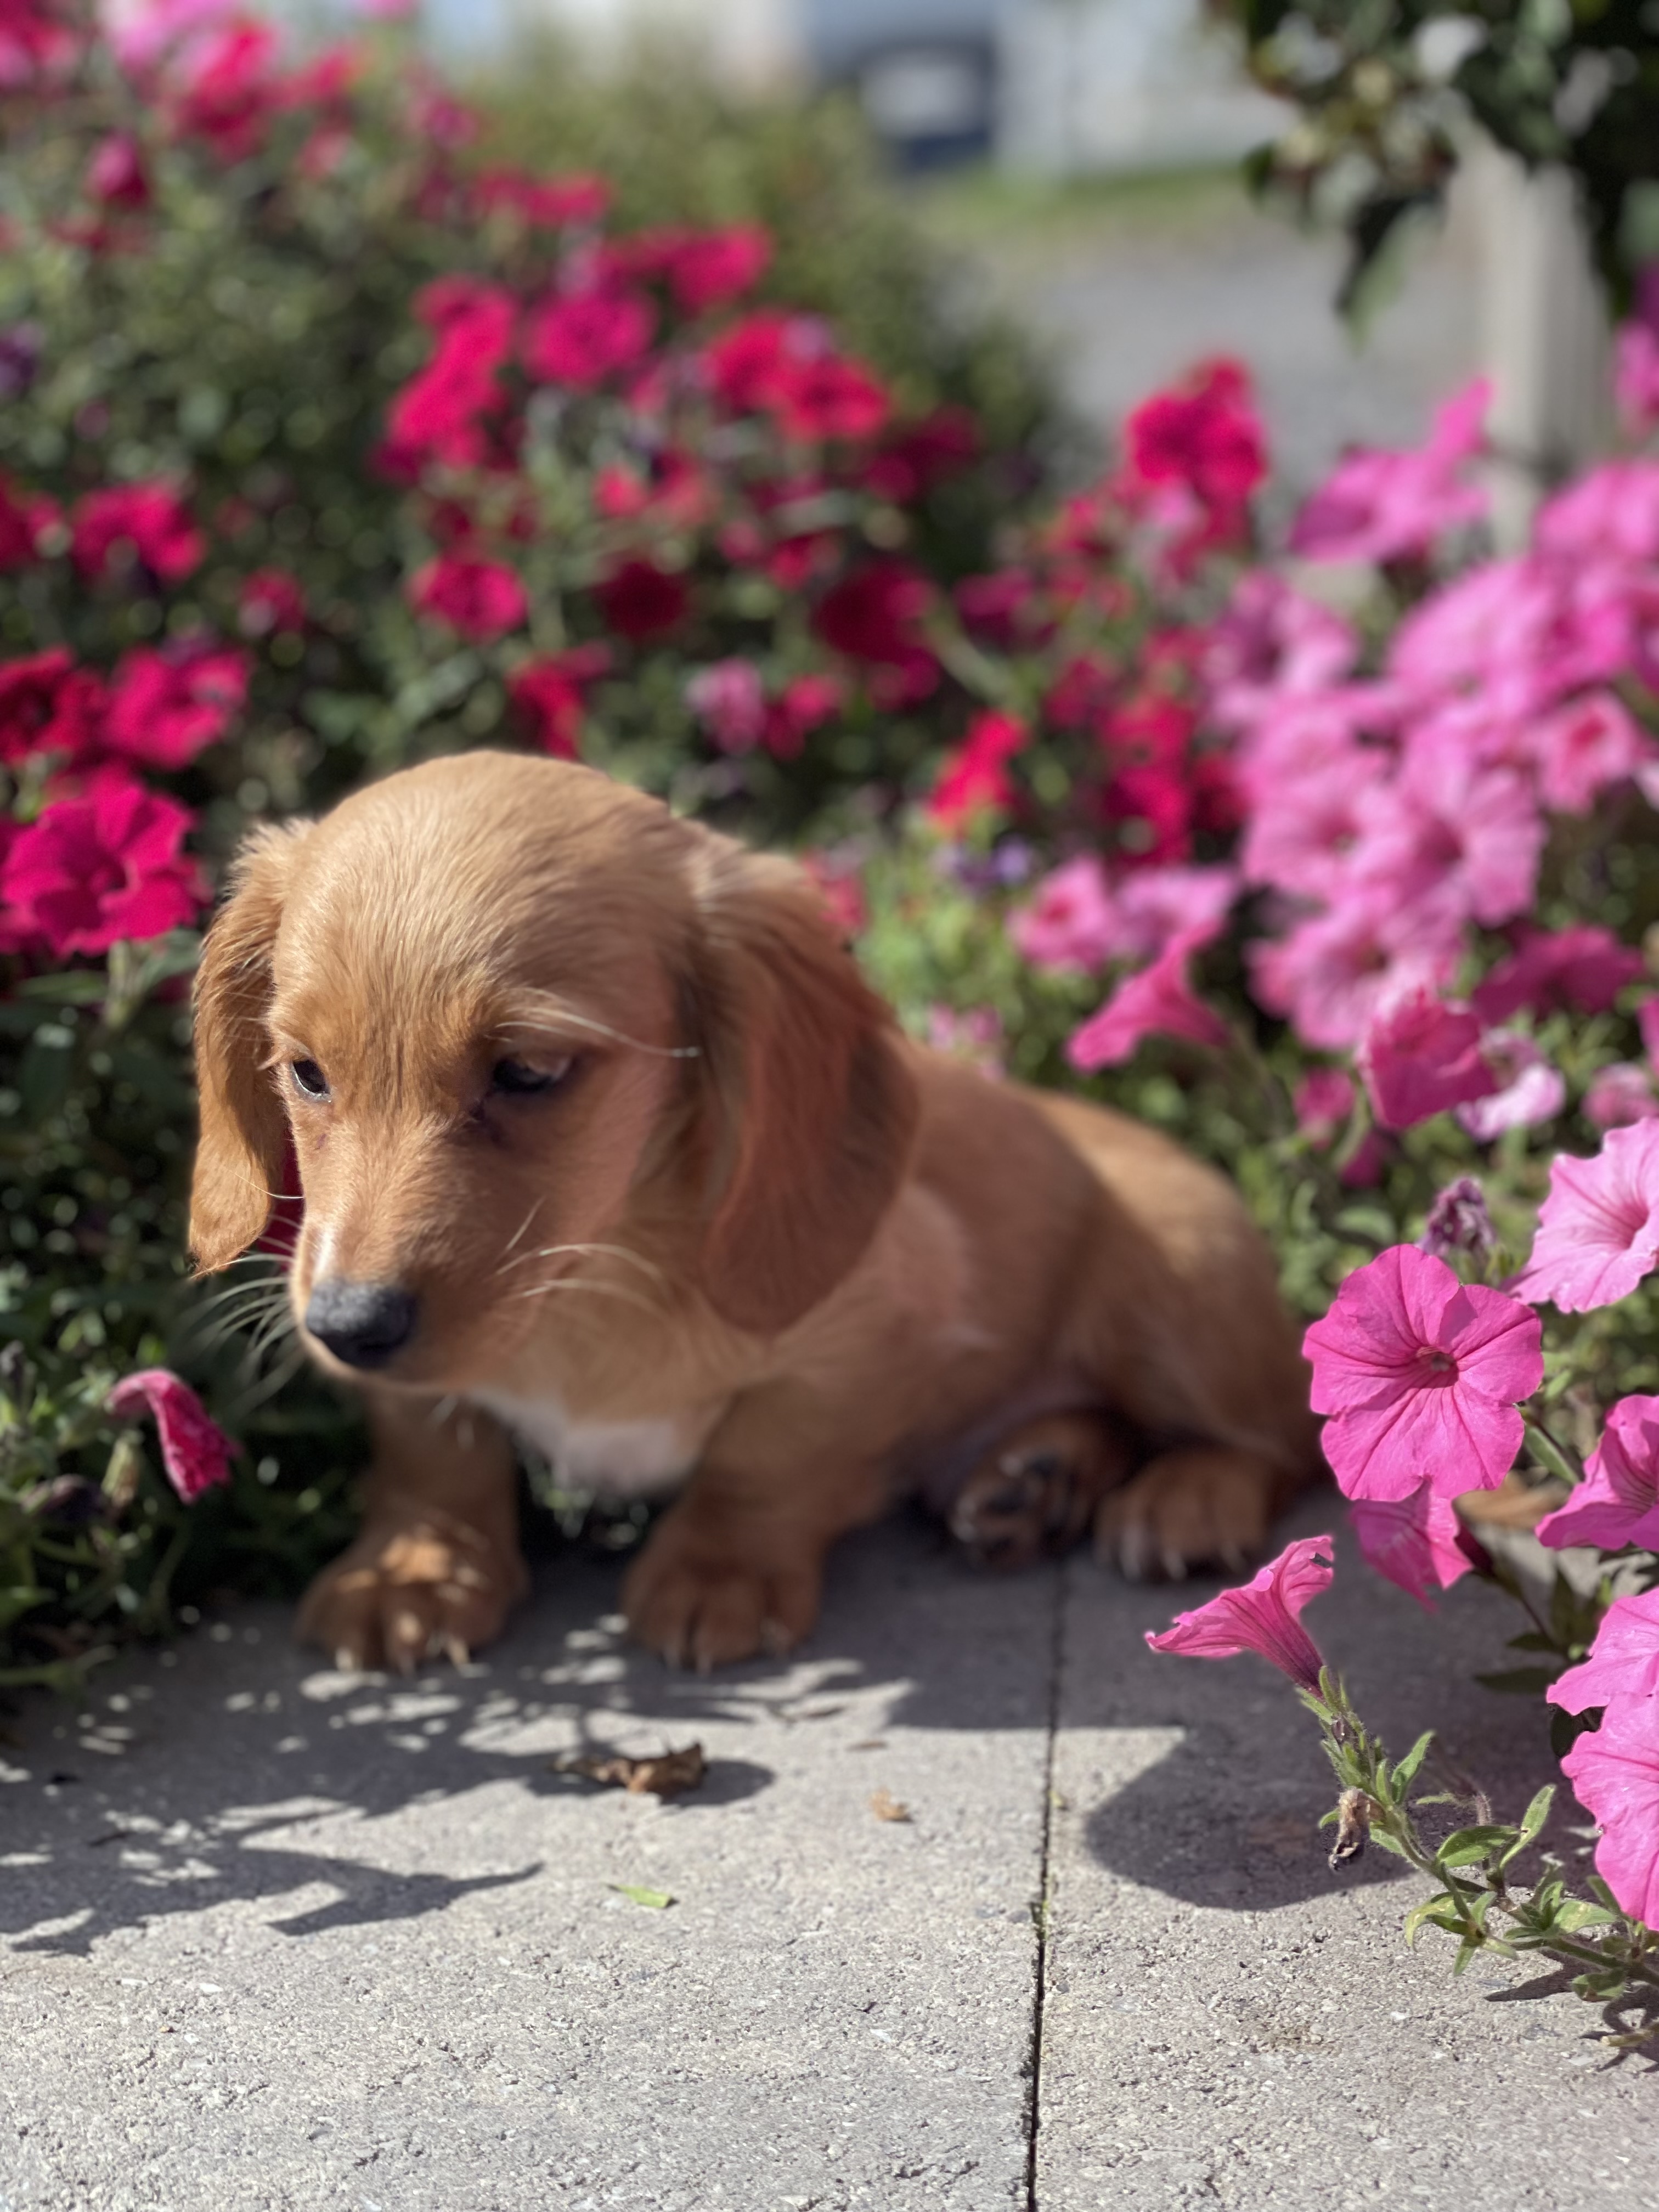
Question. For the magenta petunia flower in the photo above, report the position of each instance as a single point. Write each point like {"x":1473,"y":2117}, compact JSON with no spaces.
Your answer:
{"x":1614,"y":1771}
{"x":1421,"y":1374}
{"x":1158,"y":1002}
{"x":1264,"y":1616}
{"x":1584,"y":967}
{"x":1421,"y":1055}
{"x":1533,"y":1090}
{"x":195,"y":1450}
{"x":481,"y":599}
{"x":1416,"y":1542}
{"x":1598,"y":1231}
{"x":91,"y":872}
{"x":1623,"y":1661}
{"x":1618,"y":1501}
{"x":1618,"y":1094}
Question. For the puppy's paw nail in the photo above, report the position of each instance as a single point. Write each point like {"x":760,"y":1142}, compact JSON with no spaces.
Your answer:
{"x":1134,"y":1554}
{"x":1175,"y":1567}
{"x":455,"y":1651}
{"x":346,"y":1660}
{"x":775,"y":1638}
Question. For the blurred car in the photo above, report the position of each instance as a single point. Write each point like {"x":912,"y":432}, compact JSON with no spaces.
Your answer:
{"x":925,"y":71}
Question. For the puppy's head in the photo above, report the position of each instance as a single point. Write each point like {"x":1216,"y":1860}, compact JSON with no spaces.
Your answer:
{"x":504,"y":1012}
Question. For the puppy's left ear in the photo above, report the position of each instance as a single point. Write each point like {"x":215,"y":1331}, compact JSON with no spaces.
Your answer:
{"x":808,"y":1109}
{"x":243,"y":1135}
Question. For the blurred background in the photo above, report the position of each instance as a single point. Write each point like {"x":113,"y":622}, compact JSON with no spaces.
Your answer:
{"x":1087,"y":165}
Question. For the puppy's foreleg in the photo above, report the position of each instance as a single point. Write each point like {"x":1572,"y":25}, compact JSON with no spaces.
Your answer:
{"x":736,"y":1566}
{"x":437,"y":1567}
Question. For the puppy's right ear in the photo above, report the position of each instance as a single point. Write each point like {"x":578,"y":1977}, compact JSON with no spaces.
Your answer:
{"x":244,"y":1138}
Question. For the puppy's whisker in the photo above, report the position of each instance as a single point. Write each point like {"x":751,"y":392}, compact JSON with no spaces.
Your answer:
{"x":525,"y":1223}
{"x":603,"y":1029}
{"x":593,"y":1290}
{"x":601,"y":1251}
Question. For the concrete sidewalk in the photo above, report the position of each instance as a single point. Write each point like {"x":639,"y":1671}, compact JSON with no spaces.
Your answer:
{"x":283,"y":1938}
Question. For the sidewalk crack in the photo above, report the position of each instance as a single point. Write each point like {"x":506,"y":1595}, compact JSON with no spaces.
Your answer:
{"x":1041,"y":1907}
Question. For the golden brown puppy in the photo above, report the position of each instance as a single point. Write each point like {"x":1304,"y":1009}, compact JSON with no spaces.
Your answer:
{"x":603,"y":1141}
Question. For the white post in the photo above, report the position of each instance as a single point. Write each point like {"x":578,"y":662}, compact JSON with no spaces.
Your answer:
{"x":1547,"y":337}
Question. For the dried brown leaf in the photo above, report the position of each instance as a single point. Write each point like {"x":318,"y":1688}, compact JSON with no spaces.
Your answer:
{"x":669,"y":1774}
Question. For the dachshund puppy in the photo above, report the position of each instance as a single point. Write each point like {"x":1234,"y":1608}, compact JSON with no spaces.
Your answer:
{"x":605,"y":1144}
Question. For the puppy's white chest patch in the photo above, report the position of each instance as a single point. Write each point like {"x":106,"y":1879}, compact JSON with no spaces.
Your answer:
{"x":617,"y":1459}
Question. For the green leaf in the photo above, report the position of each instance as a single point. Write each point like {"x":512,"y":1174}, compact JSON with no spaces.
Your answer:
{"x":1390,"y":1842}
{"x":1531,"y":1821}
{"x":1465,"y":1845}
{"x":658,"y":1899}
{"x":1576,"y":1912}
{"x":1548,"y":1454}
{"x":1430,"y":1910}
{"x":1521,"y":1681}
{"x":1405,"y":1772}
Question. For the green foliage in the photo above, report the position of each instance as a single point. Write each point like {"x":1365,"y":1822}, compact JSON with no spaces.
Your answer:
{"x":1388,"y":89}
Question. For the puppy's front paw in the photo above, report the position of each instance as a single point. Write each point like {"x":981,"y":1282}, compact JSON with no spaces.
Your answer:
{"x":701,"y":1608}
{"x":1204,"y":1506}
{"x":408,"y":1589}
{"x":1037,"y":1491}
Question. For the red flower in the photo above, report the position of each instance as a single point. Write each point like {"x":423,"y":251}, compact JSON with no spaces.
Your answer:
{"x":549,"y":697}
{"x":729,"y":699}
{"x":785,"y":366}
{"x":874,"y":615}
{"x":164,"y":709}
{"x":436,"y":416}
{"x":23,"y":517}
{"x":584,"y":338}
{"x":1204,"y":433}
{"x":115,"y":175}
{"x":93,"y":872}
{"x":195,"y":1450}
{"x":975,"y":776}
{"x":271,"y":600}
{"x":49,"y":706}
{"x":805,"y":702}
{"x":707,"y":269}
{"x":147,"y":522}
{"x":480,"y":598}
{"x":231,"y":89}
{"x":639,"y":601}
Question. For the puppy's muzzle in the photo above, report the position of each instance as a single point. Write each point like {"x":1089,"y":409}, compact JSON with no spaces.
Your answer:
{"x":363,"y":1324}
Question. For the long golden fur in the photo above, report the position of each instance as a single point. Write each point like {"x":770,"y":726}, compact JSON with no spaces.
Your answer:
{"x":747,"y":1238}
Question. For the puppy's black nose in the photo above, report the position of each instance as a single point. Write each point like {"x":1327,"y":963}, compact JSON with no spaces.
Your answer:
{"x":364,"y":1324}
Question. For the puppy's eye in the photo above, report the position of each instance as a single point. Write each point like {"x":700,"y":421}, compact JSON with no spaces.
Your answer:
{"x":308,"y":1078}
{"x":516,"y":1079}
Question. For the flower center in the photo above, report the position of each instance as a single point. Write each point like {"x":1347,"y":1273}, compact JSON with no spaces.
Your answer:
{"x":1436,"y":1369}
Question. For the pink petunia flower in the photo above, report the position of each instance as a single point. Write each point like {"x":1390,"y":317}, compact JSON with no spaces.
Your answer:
{"x":1614,"y":1771}
{"x":1618,"y":1094}
{"x":1421,"y":1374}
{"x":1635,"y":379}
{"x":1617,"y":1501}
{"x":1583,"y":968}
{"x":1421,"y":1055}
{"x":91,"y":872}
{"x":1585,"y":747}
{"x":728,"y":697}
{"x":1416,"y":1542}
{"x":1330,"y":973}
{"x":1158,"y":1002}
{"x":1264,"y":1616}
{"x":1623,"y":1661}
{"x":1533,"y":1090}
{"x":1382,"y":505}
{"x":1598,"y":1231}
{"x":1071,"y":924}
{"x":195,"y":1450}
{"x":974,"y":776}
{"x":1323,"y":1101}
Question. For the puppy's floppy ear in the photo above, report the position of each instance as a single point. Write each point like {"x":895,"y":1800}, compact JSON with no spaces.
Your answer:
{"x":244,"y":1137}
{"x":810,"y":1110}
